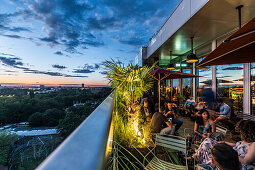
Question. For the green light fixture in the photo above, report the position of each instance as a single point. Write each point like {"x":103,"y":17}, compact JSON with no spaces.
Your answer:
{"x":192,"y":58}
{"x":171,"y":65}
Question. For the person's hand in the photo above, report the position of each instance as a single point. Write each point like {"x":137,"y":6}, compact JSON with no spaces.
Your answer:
{"x":204,"y":135}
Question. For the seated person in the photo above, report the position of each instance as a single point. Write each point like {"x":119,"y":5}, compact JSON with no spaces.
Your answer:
{"x":224,"y":113}
{"x":145,"y":110}
{"x":244,"y":148}
{"x":204,"y":127}
{"x":190,"y":105}
{"x":223,"y":157}
{"x":170,"y":114}
{"x":160,"y":124}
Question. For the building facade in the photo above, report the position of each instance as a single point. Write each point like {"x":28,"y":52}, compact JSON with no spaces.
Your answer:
{"x":210,"y":22}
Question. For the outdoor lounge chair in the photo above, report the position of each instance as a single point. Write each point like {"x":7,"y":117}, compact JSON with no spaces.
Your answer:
{"x":169,"y":143}
{"x":221,"y":129}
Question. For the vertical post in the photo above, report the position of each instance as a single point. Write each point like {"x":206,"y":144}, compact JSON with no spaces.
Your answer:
{"x":247,"y":89}
{"x":159,"y":92}
{"x":214,"y":79}
{"x":155,"y":84}
{"x":194,"y":81}
{"x":239,"y":15}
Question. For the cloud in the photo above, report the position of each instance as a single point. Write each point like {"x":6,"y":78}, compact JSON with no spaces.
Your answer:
{"x":233,"y":68}
{"x":55,"y":74}
{"x":81,"y":24}
{"x":87,"y":68}
{"x":58,"y":66}
{"x":11,"y":55}
{"x":58,"y":53}
{"x":83,"y":71}
{"x":16,"y":62}
{"x":11,"y":61}
{"x":13,"y":36}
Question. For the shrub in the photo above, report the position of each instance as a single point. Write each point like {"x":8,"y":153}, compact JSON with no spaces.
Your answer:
{"x":69,"y":124}
{"x":36,"y":119}
{"x":6,"y":141}
{"x":51,"y":117}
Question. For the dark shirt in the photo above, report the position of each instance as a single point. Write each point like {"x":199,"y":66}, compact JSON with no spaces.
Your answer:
{"x":158,"y":122}
{"x":171,"y":115}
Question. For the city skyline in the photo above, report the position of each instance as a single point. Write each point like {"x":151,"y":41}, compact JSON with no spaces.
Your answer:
{"x":66,"y":42}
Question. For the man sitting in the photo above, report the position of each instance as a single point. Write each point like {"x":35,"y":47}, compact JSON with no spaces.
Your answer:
{"x":224,"y":113}
{"x":160,"y":124}
{"x":146,"y":111}
{"x":170,"y":114}
{"x":190,"y":105}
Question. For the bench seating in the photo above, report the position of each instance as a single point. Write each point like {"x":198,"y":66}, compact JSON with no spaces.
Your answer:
{"x":168,"y":142}
{"x":158,"y":164}
{"x":221,"y":129}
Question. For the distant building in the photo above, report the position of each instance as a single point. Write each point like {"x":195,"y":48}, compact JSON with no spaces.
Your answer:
{"x":42,"y":86}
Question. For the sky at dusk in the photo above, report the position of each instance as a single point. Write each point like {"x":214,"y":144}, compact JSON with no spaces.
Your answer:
{"x":61,"y":42}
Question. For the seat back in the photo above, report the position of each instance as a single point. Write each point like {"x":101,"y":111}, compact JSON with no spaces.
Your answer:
{"x":246,"y":116}
{"x":221,"y":129}
{"x":172,"y":142}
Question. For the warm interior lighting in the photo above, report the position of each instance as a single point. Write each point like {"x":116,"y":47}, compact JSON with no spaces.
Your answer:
{"x":170,"y":67}
{"x":192,"y":58}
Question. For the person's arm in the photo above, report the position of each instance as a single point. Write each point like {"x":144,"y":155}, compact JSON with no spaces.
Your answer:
{"x":196,"y":128}
{"x":166,"y":114}
{"x":213,"y":127}
{"x":169,"y":124}
{"x":175,"y":116}
{"x":228,"y":143}
{"x":250,"y":156}
{"x":224,"y":112}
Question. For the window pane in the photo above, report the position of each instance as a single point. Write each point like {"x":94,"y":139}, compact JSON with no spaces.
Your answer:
{"x":253,"y":88}
{"x":230,"y":85}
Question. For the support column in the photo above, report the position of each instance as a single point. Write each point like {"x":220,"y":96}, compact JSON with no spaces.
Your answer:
{"x":155,"y":84}
{"x":194,"y":86}
{"x":247,"y":88}
{"x":214,"y":79}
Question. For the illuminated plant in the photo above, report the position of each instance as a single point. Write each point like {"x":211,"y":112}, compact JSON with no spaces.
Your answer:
{"x":129,"y":84}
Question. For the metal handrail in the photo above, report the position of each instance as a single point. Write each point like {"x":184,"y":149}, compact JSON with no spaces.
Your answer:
{"x":86,"y":147}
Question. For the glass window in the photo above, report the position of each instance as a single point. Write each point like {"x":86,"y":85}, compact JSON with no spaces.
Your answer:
{"x":204,"y":86}
{"x":187,"y":84}
{"x":230,"y":85}
{"x":253,"y":88}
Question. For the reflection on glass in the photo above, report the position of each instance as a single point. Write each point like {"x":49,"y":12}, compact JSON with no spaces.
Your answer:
{"x":230,"y":85}
{"x":187,"y":84}
{"x":204,"y":86}
{"x":253,"y":88}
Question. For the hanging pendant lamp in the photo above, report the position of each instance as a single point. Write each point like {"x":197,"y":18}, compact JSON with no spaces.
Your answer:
{"x":192,"y":58}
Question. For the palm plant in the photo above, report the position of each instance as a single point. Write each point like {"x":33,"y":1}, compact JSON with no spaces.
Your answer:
{"x":129,"y":84}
